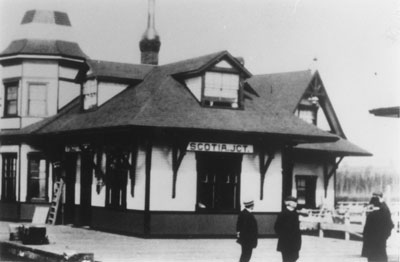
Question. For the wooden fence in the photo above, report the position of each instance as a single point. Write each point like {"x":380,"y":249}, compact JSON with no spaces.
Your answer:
{"x":347,"y":217}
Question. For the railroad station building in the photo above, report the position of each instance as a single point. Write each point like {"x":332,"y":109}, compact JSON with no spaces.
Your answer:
{"x":159,"y":150}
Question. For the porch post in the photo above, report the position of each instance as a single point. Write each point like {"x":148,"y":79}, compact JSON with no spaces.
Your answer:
{"x":147,"y":216}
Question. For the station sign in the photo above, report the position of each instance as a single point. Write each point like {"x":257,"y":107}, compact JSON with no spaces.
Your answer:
{"x":220,"y":147}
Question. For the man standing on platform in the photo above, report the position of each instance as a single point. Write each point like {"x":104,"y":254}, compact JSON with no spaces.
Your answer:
{"x":287,"y":227}
{"x":247,"y":231}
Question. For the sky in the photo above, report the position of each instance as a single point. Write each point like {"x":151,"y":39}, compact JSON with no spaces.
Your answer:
{"x":356,"y":44}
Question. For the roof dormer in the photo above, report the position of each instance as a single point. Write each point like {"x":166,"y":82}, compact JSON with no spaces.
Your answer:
{"x":219,"y":84}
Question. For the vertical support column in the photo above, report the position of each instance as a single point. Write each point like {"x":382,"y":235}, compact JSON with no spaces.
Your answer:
{"x":18,"y":180}
{"x":287,"y":171}
{"x":147,"y":215}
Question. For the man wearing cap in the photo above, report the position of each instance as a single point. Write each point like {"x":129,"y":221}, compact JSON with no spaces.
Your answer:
{"x":383,"y":204}
{"x":377,"y":228}
{"x":247,"y":231}
{"x":287,"y":227}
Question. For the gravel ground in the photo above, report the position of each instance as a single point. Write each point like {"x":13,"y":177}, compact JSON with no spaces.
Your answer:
{"x":113,"y":247}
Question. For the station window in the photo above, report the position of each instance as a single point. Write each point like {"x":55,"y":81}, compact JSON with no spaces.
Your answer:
{"x":37,"y":178}
{"x":11,"y":99}
{"x":308,"y":110}
{"x":221,"y":89}
{"x":8,"y":181}
{"x":37,"y":99}
{"x":218,"y":182}
{"x":90,"y":95}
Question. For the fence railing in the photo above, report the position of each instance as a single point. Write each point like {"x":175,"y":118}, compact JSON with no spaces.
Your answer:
{"x":348,"y":217}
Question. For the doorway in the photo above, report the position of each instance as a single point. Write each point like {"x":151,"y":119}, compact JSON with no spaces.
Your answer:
{"x":306,"y":187}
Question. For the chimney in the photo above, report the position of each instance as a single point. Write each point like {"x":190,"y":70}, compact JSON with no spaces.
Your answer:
{"x":150,"y":43}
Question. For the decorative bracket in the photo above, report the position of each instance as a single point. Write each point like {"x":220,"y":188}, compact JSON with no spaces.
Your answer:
{"x":100,"y":175}
{"x":264,"y":165}
{"x":178,"y":152}
{"x":328,"y":175}
{"x":132,"y":168}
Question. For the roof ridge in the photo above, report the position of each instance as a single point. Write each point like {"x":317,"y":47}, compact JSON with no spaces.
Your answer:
{"x":124,"y":63}
{"x":197,"y":57}
{"x":147,"y":102}
{"x":282,"y":73}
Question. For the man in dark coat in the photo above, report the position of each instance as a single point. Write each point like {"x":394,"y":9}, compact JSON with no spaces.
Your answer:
{"x":377,"y":229}
{"x":247,"y":231}
{"x":287,"y":227}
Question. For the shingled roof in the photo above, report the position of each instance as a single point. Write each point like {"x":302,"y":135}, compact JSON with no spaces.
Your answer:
{"x":342,"y":147}
{"x":285,"y":91}
{"x":108,"y":69}
{"x":44,"y":47}
{"x":163,"y":101}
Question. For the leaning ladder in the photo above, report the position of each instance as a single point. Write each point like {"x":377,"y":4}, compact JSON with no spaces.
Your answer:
{"x":55,"y":203}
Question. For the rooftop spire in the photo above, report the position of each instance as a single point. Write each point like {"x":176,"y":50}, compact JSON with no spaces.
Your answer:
{"x":150,"y":43}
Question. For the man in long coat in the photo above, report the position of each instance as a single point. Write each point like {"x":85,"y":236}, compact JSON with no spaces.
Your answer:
{"x":247,"y":231}
{"x":377,"y":229}
{"x":287,"y":227}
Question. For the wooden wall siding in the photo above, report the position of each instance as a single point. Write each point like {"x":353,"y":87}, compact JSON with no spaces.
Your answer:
{"x":251,"y":178}
{"x":98,"y":199}
{"x":203,"y":225}
{"x":9,"y":211}
{"x":315,"y":168}
{"x":136,"y":202}
{"x":39,"y":72}
{"x":162,"y":181}
{"x":12,"y":71}
{"x":67,"y":92}
{"x":107,"y":90}
{"x":126,"y":222}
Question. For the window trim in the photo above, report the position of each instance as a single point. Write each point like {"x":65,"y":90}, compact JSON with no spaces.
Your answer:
{"x":7,"y":85}
{"x":29,"y":198}
{"x":46,"y":85}
{"x":312,"y":108}
{"x":222,"y":71}
{"x":14,"y":189}
{"x":307,"y":179}
{"x":83,"y":95}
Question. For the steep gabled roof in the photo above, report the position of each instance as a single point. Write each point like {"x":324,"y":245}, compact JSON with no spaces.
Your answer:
{"x":44,"y":47}
{"x":285,"y":91}
{"x":117,"y":70}
{"x":198,"y":64}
